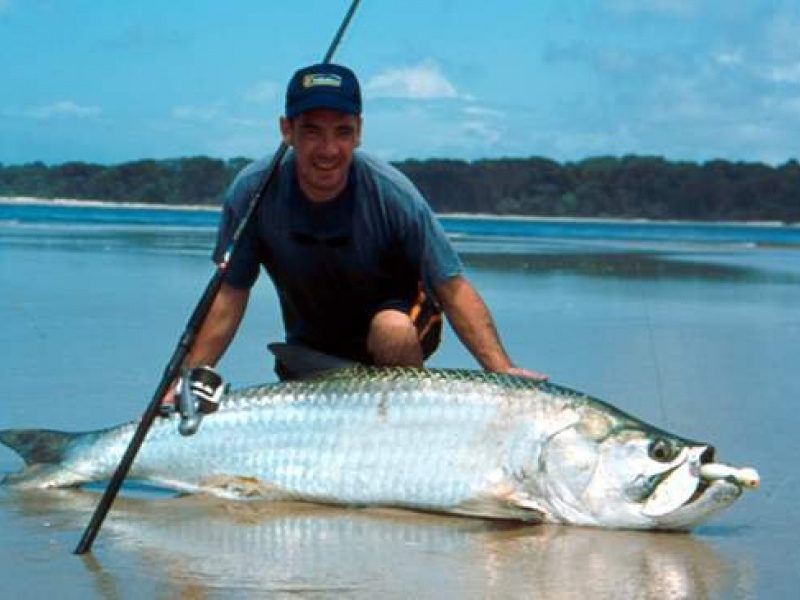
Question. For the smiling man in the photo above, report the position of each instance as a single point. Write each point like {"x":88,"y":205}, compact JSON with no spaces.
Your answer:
{"x":362,"y":267}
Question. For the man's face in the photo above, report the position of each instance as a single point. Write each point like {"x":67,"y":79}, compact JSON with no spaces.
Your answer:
{"x":323,"y":142}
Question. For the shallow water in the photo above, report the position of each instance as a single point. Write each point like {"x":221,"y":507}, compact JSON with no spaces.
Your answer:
{"x":698,"y":338}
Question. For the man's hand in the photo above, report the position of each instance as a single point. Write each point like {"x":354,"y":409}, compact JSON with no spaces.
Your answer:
{"x":529,"y":374}
{"x":169,"y":401}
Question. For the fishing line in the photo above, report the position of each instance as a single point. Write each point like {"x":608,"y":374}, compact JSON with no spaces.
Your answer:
{"x":186,"y":341}
{"x":656,"y":363}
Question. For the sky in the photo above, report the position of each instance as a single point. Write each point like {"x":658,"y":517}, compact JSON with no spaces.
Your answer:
{"x":109,"y":82}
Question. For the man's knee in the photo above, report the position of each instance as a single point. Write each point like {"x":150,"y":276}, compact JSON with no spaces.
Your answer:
{"x":393,"y":340}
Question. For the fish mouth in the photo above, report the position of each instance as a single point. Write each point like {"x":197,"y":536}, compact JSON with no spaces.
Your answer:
{"x":706,"y":458}
{"x":681,"y":484}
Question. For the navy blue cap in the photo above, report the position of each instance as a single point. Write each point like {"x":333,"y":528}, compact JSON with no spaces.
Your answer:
{"x":323,"y":86}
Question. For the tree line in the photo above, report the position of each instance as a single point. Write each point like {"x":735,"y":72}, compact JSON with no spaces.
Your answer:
{"x":195,"y":180}
{"x":599,"y":187}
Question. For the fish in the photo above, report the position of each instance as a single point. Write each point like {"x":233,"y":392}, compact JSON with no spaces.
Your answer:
{"x":453,"y":441}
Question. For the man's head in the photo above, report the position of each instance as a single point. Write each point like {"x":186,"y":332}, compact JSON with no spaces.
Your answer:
{"x":323,"y":126}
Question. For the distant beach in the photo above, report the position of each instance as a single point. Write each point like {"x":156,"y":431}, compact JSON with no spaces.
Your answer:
{"x":102,"y":203}
{"x":72,"y":202}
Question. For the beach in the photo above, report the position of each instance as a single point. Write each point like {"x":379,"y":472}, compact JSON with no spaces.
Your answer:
{"x":699,"y":338}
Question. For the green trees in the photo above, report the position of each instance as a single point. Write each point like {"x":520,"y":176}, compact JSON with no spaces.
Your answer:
{"x":644,"y":187}
{"x":612,"y":187}
{"x":195,"y":180}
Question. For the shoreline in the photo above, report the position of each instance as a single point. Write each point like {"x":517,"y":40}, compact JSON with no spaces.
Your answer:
{"x":77,"y":203}
{"x":615,"y":220}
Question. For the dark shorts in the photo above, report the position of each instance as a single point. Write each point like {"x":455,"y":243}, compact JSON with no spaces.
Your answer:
{"x":425,"y":313}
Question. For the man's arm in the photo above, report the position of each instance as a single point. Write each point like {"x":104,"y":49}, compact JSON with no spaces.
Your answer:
{"x":474,"y":325}
{"x":219,"y":327}
{"x":216,"y":332}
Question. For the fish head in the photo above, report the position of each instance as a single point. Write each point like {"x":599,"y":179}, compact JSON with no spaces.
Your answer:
{"x":611,"y":471}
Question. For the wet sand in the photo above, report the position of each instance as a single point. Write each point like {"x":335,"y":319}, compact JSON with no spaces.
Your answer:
{"x":199,"y":547}
{"x":699,"y":340}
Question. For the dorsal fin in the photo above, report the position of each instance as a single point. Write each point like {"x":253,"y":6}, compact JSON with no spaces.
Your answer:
{"x":304,"y":362}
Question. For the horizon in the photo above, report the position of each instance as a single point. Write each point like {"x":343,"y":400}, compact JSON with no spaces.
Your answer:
{"x":469,"y":161}
{"x":682,"y":80}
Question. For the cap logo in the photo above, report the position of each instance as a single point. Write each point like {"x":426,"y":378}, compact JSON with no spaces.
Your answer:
{"x":322,"y":79}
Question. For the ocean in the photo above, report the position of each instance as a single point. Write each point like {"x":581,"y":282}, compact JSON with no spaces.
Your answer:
{"x":693,"y":327}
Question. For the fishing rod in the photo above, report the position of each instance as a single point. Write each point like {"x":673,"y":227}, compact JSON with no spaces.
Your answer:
{"x":189,"y":335}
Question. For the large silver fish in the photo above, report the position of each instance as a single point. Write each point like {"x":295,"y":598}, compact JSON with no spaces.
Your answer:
{"x":462,"y":442}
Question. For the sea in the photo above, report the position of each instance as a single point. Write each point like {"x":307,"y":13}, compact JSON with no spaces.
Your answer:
{"x":694,"y":327}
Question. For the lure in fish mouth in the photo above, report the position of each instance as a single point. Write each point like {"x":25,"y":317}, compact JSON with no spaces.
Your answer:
{"x":692,"y":481}
{"x":451,"y":441}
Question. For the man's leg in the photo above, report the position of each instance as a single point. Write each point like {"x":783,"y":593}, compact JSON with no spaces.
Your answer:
{"x":393,"y":340}
{"x":405,"y":338}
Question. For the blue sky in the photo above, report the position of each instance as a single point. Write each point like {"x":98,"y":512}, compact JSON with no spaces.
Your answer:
{"x":108,"y":82}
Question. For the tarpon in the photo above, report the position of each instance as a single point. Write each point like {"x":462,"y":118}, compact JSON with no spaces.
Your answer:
{"x":451,"y":441}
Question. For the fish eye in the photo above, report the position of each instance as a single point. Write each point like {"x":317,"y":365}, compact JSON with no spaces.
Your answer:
{"x":663,"y":450}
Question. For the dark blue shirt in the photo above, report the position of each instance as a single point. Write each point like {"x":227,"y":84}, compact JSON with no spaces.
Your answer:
{"x":335,"y":264}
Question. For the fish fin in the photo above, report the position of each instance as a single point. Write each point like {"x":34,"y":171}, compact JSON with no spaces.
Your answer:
{"x":44,"y":452}
{"x":37,"y":446}
{"x":510,"y":506}
{"x":241,"y":487}
{"x":304,"y":362}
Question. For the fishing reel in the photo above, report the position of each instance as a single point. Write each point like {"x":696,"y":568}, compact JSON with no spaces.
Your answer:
{"x":199,"y":392}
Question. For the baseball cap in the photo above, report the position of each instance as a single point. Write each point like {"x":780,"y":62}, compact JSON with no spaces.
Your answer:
{"x":325,"y":85}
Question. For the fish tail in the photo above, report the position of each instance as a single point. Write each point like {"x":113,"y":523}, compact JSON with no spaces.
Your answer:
{"x":43,"y":451}
{"x":37,"y":446}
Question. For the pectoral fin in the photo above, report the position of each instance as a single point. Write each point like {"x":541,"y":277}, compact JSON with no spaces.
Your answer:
{"x":512,"y":506}
{"x":241,"y":487}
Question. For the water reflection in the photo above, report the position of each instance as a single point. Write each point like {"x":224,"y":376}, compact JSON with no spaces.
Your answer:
{"x":200,"y":547}
{"x":631,"y":264}
{"x":89,"y":239}
{"x":599,"y":259}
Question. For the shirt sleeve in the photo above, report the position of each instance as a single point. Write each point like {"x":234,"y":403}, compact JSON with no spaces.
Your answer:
{"x":243,"y":267}
{"x":422,"y":237}
{"x":411,"y":220}
{"x":427,"y":241}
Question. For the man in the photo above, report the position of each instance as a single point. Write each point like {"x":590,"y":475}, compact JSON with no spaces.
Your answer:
{"x":361,"y":265}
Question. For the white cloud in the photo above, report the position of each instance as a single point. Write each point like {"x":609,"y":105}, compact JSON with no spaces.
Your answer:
{"x":483,"y":112}
{"x":780,"y":37}
{"x":658,"y":8}
{"x":485,"y":133}
{"x":201,"y":114}
{"x":728,"y":58}
{"x":424,"y":81}
{"x":435,"y":130}
{"x":482,"y":124}
{"x":247,"y":123}
{"x":262,"y":92}
{"x":63,"y":108}
{"x":784,"y":74}
{"x":781,"y":108}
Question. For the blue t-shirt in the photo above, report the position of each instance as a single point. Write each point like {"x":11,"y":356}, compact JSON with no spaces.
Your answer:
{"x":335,"y":264}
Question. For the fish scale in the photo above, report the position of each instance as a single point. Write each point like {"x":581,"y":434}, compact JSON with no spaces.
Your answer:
{"x":346,"y":438}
